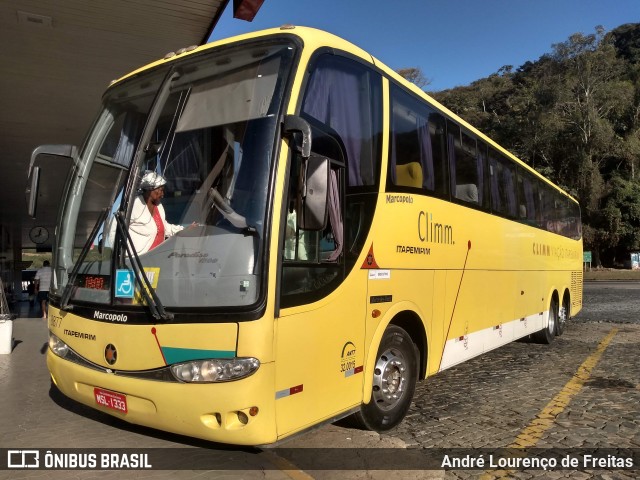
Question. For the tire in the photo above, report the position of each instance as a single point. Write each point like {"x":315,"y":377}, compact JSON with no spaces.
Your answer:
{"x":563,"y":316}
{"x":394,"y":382}
{"x":547,"y":334}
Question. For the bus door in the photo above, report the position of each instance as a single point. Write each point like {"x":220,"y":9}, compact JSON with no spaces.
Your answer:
{"x":320,"y":329}
{"x":322,"y":291}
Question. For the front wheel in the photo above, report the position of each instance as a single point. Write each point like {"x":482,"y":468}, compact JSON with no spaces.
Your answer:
{"x":394,"y":381}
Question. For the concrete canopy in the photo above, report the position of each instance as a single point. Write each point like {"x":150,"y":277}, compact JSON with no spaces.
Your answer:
{"x":57,"y":59}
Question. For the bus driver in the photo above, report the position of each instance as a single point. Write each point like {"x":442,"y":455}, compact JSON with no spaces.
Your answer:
{"x":148,"y":226}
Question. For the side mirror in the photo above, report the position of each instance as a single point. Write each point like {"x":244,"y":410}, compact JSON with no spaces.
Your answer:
{"x":313,"y":193}
{"x":295,"y":124}
{"x":47,"y":176}
{"x":31,"y":191}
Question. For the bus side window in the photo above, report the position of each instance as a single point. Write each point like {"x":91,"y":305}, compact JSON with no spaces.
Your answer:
{"x":547,"y":208}
{"x":439,"y":152}
{"x":502,"y":179}
{"x":313,"y":261}
{"x":483,"y":176}
{"x":528,"y":199}
{"x":314,"y":246}
{"x":344,"y":96}
{"x":417,"y":146}
{"x":466,"y":166}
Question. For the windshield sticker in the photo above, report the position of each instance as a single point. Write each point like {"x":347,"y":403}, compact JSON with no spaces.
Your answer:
{"x":152,"y":274}
{"x":124,"y":284}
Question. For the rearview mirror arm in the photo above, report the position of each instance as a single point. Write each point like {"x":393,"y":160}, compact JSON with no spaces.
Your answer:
{"x":294,"y":123}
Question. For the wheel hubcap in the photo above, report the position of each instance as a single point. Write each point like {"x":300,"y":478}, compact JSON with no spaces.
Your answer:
{"x":562,"y":315}
{"x":389,"y":379}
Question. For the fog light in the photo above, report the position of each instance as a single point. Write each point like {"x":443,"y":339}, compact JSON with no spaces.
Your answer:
{"x":242,"y":418}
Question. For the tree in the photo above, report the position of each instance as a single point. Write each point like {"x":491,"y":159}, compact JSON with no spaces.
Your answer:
{"x":415,"y":76}
{"x":626,"y":39}
{"x":573,"y":115}
{"x":621,"y":219}
{"x":592,"y":99}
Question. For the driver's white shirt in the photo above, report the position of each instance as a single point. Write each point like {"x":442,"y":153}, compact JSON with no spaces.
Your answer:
{"x":142,"y":227}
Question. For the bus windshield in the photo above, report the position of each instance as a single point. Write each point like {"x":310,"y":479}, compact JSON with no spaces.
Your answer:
{"x":198,"y":136}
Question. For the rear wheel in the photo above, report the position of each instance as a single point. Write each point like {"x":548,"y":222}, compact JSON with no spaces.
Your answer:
{"x":547,"y":334}
{"x":563,"y":315}
{"x":394,"y":381}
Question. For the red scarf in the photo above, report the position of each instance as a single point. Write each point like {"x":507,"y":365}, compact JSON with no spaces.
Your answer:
{"x":160,"y":229}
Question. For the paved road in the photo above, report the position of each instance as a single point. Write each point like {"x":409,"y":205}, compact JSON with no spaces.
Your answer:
{"x":580,"y":392}
{"x":611,"y":302}
{"x":498,"y":400}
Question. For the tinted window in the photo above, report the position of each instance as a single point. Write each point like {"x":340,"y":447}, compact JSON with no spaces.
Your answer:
{"x":345,"y":97}
{"x":502,"y":178}
{"x":417,"y":158}
{"x":466,"y":166}
{"x":528,"y":199}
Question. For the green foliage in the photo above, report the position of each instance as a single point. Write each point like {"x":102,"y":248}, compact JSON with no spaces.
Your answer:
{"x":626,"y":39}
{"x":574,"y":115}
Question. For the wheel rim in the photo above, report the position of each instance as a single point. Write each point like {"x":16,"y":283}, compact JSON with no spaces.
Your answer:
{"x":390,"y":379}
{"x":562,"y":314}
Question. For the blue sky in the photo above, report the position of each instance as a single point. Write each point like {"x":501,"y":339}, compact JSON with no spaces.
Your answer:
{"x":454,"y":42}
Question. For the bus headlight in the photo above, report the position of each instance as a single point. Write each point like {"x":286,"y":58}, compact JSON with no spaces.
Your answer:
{"x":215,"y":370}
{"x":57,"y":346}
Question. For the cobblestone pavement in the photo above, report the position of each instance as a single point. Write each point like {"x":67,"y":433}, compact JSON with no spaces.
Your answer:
{"x":611,"y":302}
{"x":487,"y":403}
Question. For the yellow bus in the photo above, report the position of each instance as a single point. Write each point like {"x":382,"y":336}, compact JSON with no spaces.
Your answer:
{"x":318,"y":236}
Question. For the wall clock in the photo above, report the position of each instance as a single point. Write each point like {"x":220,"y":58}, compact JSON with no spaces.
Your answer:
{"x":39,"y":235}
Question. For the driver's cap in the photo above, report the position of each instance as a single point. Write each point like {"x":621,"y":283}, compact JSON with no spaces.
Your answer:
{"x":151,"y":180}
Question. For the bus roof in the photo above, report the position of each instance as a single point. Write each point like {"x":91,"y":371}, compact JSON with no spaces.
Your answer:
{"x":314,"y":38}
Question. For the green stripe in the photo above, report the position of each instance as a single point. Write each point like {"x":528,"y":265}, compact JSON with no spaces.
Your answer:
{"x":177,"y":355}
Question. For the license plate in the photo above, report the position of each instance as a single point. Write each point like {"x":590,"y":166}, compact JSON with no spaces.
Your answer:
{"x":113,"y":400}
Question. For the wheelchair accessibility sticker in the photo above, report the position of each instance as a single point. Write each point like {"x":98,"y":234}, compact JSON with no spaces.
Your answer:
{"x":124,"y":284}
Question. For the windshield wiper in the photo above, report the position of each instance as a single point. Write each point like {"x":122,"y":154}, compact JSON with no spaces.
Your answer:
{"x":66,"y":295}
{"x":146,"y":290}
